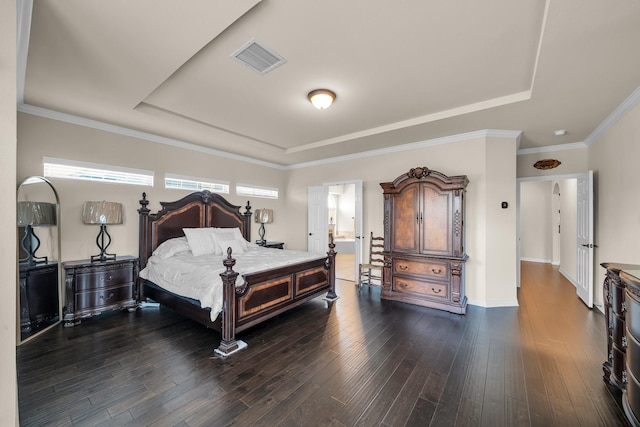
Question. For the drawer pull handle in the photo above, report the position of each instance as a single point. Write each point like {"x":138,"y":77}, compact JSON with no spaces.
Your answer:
{"x":436,"y":292}
{"x":107,"y":298}
{"x":404,"y":285}
{"x":434,"y":271}
{"x":403,"y":267}
{"x":108,"y":278}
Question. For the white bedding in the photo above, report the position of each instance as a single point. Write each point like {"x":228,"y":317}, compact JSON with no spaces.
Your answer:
{"x":198,"y":277}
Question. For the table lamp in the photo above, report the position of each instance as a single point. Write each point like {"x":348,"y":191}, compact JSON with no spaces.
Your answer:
{"x":34,"y":214}
{"x":103,"y":214}
{"x":263,"y":216}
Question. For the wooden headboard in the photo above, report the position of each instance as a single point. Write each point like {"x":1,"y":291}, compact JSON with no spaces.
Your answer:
{"x":200,"y":209}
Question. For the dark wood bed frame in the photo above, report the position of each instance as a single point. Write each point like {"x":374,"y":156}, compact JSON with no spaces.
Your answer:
{"x":264,"y":294}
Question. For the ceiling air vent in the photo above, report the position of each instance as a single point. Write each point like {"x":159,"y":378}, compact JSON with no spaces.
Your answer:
{"x":258,"y":57}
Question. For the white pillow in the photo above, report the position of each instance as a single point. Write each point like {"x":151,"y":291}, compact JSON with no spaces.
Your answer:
{"x":230,"y":234}
{"x":171,"y":247}
{"x":224,"y":244}
{"x":201,"y":241}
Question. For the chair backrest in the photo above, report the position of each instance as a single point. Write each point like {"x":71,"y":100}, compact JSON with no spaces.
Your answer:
{"x":376,"y":246}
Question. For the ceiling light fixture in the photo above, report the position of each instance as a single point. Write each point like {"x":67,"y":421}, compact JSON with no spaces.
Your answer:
{"x":560,"y":132}
{"x":321,"y":98}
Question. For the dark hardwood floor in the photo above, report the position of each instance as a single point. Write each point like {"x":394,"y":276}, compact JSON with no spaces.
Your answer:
{"x":362,"y":362}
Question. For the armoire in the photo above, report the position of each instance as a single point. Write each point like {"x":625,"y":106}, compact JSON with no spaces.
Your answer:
{"x":424,"y":255}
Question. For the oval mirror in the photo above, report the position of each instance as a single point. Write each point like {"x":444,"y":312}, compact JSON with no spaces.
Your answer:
{"x":38,"y":241}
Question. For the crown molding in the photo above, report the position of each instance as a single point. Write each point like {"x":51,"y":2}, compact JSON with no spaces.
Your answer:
{"x":626,"y":106}
{"x":120,"y":130}
{"x":551,"y":148}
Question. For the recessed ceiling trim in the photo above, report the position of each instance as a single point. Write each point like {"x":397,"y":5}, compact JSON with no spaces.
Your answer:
{"x":478,"y":106}
{"x":107,"y":127}
{"x":258,"y":57}
{"x":486,"y":133}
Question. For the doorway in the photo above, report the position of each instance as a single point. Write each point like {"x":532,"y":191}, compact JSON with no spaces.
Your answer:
{"x":549,"y":222}
{"x":336,"y":209}
{"x":341,"y":205}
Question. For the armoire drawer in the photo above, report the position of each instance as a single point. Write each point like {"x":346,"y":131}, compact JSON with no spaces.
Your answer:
{"x":422,"y":268}
{"x":420,"y":287}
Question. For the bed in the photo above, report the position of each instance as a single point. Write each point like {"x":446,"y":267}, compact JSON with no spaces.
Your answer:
{"x":248,"y":301}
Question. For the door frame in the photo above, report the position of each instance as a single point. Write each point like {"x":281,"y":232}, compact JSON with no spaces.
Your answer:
{"x":529,"y":179}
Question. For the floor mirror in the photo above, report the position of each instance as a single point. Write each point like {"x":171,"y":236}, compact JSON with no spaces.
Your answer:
{"x":39,"y":291}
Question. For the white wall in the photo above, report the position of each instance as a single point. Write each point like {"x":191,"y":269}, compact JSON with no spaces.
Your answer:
{"x":347,"y":210}
{"x":614,"y":159}
{"x":8,"y":279}
{"x":535,"y":221}
{"x":571,"y":162}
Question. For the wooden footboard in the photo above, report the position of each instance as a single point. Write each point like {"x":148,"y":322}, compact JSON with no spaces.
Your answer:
{"x":267,"y":294}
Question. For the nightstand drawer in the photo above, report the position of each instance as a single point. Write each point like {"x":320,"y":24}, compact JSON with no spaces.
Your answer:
{"x":103,"y":279}
{"x":104,"y":297}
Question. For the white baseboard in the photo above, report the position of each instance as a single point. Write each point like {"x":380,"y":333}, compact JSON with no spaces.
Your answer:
{"x":496,"y":303}
{"x":546,"y":261}
{"x":570,"y":279}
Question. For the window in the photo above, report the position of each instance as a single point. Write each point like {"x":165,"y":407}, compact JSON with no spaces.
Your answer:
{"x":256,"y":191}
{"x":70,"y":169}
{"x":192,"y":183}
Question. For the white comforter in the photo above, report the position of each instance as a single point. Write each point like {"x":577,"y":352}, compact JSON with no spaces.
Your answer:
{"x":199,"y":277}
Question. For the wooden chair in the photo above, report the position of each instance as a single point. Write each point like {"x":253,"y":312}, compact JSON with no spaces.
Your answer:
{"x":371,"y":273}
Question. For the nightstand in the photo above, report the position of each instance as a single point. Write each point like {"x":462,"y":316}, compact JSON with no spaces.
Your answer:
{"x":275,"y":245}
{"x":93,"y":287}
{"x":38,"y":295}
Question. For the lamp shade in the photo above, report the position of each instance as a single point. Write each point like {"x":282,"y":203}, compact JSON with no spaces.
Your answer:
{"x":38,"y":214}
{"x":102,"y":213}
{"x":264,"y":216}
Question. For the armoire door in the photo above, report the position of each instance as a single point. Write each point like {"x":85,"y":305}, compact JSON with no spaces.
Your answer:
{"x":435,"y":221}
{"x":405,"y":229}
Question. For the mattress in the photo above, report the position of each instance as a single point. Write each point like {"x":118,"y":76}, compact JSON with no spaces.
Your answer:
{"x":198,"y":277}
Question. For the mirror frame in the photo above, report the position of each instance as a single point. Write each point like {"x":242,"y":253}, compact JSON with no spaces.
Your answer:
{"x":19,"y":340}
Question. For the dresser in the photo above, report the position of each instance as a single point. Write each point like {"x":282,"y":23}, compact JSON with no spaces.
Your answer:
{"x":614,"y":312}
{"x":631,"y":306}
{"x":424,"y":254}
{"x":93,"y":287}
{"x":39,"y":303}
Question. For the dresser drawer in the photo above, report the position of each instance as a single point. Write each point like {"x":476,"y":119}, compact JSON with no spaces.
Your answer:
{"x":431,"y":289}
{"x":422,"y":268}
{"x":116,"y":275}
{"x":104,"y":297}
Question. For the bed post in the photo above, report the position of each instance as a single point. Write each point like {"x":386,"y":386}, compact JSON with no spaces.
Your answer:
{"x":331,"y":261}
{"x":143,"y":239}
{"x":247,"y":221}
{"x":228,"y":344}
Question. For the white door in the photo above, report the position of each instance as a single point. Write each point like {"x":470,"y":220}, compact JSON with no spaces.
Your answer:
{"x":358,"y":226}
{"x":584,"y":259}
{"x":318,"y":218}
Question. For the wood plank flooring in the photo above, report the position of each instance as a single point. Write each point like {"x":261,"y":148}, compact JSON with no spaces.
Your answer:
{"x":362,"y":361}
